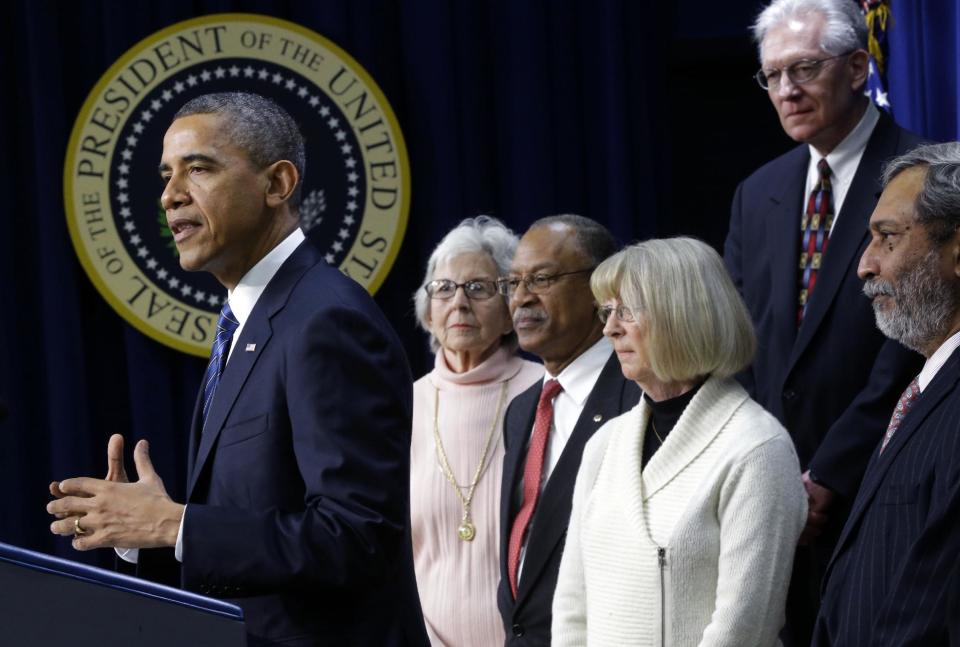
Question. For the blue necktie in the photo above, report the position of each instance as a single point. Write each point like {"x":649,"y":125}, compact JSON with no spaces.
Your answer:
{"x":226,"y":326}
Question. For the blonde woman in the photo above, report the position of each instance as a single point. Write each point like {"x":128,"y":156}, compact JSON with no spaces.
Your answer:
{"x":687,"y":509}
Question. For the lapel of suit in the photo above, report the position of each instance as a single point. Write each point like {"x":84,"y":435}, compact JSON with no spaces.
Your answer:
{"x":704,"y":418}
{"x":850,"y":232}
{"x":942,"y":385}
{"x":782,"y":222}
{"x":550,"y":521}
{"x":194,"y":441}
{"x":256,"y":331}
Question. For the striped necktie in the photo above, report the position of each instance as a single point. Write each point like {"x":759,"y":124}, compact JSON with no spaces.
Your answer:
{"x":815,"y":227}
{"x":226,"y":326}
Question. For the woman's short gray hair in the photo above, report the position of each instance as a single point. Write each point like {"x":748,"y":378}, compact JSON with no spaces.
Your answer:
{"x":696,"y":321}
{"x":845,"y":29}
{"x":938,"y":202}
{"x":480,"y":234}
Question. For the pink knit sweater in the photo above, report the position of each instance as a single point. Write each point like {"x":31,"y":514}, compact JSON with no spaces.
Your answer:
{"x":458,"y":579}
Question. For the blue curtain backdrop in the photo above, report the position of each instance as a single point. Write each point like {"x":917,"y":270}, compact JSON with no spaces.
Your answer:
{"x":924,"y":39}
{"x":638,"y":113}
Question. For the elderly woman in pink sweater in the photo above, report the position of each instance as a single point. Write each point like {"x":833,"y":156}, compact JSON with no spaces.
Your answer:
{"x":456,"y":451}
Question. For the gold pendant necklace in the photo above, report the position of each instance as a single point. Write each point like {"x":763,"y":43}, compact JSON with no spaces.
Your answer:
{"x":466,"y":531}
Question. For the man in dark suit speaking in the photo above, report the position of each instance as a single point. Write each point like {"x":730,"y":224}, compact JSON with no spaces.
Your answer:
{"x":889,"y":580}
{"x":297,"y":505}
{"x":546,"y":426}
{"x":797,"y":228}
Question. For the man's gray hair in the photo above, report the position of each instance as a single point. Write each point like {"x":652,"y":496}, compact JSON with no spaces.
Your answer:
{"x":938,"y":203}
{"x":845,"y":29}
{"x":594,"y":239}
{"x":258,"y":126}
{"x":482,"y":234}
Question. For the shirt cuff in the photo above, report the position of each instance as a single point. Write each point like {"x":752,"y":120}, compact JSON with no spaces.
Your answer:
{"x":131,"y":555}
{"x":178,"y":549}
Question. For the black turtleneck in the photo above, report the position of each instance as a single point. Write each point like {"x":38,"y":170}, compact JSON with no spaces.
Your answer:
{"x":663,"y":416}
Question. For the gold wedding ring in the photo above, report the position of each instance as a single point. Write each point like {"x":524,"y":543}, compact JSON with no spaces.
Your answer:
{"x":78,"y":530}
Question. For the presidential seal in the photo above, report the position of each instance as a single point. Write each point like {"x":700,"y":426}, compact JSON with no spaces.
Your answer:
{"x":356,"y":189}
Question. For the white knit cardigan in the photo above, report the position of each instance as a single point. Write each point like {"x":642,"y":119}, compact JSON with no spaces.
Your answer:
{"x":696,"y":550}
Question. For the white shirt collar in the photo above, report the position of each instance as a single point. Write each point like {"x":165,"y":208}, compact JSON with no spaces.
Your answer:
{"x":243,"y":297}
{"x":843,"y":160}
{"x":937,"y":360}
{"x":580,"y":375}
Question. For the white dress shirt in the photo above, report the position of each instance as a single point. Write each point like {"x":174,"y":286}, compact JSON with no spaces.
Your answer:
{"x":242,"y":299}
{"x":843,"y":161}
{"x":936,"y":361}
{"x":577,"y":380}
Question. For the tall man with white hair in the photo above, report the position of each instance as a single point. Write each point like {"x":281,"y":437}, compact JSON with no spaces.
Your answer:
{"x":797,"y":226}
{"x":889,"y":580}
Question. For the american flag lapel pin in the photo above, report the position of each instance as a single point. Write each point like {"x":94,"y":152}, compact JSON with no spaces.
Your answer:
{"x":250,"y":348}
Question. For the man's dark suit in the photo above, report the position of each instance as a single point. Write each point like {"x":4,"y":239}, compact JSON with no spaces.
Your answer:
{"x":527,"y":619}
{"x":833,"y":382}
{"x":888,"y":583}
{"x":297,"y":502}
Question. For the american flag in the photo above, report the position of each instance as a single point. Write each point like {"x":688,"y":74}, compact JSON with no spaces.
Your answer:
{"x":877,"y":15}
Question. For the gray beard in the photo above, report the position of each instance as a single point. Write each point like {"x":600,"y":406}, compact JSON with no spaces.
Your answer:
{"x":923,"y":304}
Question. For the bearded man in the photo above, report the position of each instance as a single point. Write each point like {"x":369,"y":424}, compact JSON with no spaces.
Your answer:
{"x":889,"y":579}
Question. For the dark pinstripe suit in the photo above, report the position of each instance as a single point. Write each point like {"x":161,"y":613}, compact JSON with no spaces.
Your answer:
{"x":888,"y":582}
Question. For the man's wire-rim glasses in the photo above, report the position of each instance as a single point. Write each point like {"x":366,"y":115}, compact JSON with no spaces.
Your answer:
{"x":535,"y":283}
{"x":799,"y":72}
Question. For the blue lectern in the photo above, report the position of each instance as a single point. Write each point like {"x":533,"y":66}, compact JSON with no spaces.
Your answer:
{"x":45,"y":600}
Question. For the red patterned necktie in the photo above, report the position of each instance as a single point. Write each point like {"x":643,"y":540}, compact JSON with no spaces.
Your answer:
{"x":906,"y":402}
{"x":532,"y":475}
{"x":815,"y":227}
